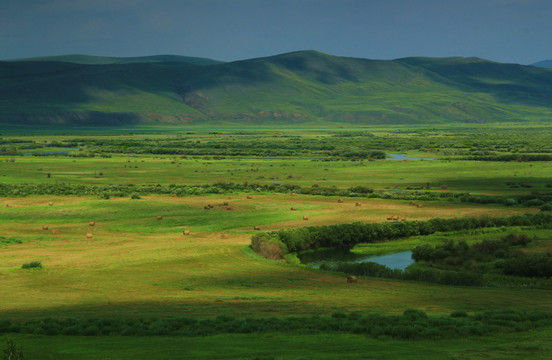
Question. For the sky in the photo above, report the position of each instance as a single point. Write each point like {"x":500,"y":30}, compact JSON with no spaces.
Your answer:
{"x":511,"y":31}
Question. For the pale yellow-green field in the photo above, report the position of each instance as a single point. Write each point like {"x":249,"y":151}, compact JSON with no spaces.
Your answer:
{"x":136,"y":265}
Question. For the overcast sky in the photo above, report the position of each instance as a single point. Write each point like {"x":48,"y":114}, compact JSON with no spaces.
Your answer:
{"x":516,"y":31}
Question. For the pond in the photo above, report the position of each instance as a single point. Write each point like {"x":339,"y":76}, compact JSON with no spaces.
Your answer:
{"x":403,"y":157}
{"x":315,"y":258}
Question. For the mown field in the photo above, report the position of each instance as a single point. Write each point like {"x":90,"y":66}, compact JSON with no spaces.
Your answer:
{"x":133,"y":265}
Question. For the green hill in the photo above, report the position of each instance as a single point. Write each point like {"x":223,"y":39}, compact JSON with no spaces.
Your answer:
{"x":294,"y":87}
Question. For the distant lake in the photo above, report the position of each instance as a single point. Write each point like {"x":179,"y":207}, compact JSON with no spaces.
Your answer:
{"x":404,"y":157}
{"x":315,"y":258}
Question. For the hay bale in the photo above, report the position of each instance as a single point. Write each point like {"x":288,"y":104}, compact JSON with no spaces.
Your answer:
{"x":229,"y":208}
{"x":91,"y":223}
{"x":186,"y":232}
{"x":389,"y":217}
{"x":54,"y":232}
{"x":44,"y":227}
{"x":8,"y":205}
{"x":305,"y":217}
{"x":51,"y":203}
{"x":395,"y":217}
{"x":292,"y":194}
{"x":412,"y":203}
{"x":340,"y":201}
{"x":419,"y":205}
{"x":249,"y":197}
{"x":224,"y":236}
{"x":357,"y":204}
{"x":256,"y":227}
{"x":403,"y":218}
{"x":160,"y":217}
{"x":174,"y":195}
{"x":229,"y":197}
{"x":352,"y":279}
{"x":293,"y":208}
{"x":89,"y":236}
{"x":225,"y":203}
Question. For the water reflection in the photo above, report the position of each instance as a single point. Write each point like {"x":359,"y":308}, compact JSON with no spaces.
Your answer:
{"x":404,"y":157}
{"x":393,"y":261}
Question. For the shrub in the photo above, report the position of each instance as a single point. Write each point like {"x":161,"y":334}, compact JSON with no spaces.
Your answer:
{"x":12,"y":352}
{"x":459,"y":313}
{"x":267,"y":246}
{"x":546,"y":207}
{"x":32,"y":265}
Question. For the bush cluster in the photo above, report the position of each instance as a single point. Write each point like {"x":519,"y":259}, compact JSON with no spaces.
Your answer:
{"x":346,"y":236}
{"x":501,"y":254}
{"x":32,"y":265}
{"x":457,"y":278}
{"x":268,"y":247}
{"x":536,"y":199}
{"x":412,"y":324}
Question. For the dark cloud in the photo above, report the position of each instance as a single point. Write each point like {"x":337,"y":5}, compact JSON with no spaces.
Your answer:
{"x":501,"y":30}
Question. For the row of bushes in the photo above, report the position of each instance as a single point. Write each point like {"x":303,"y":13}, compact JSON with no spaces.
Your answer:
{"x":461,"y":252}
{"x":346,"y":236}
{"x":537,"y":199}
{"x":457,"y":278}
{"x":508,"y":157}
{"x":412,"y":324}
{"x":500,"y":256}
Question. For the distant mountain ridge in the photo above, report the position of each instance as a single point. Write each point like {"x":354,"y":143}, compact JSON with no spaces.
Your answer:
{"x":103,"y":60}
{"x":288,"y":88}
{"x":544,"y":64}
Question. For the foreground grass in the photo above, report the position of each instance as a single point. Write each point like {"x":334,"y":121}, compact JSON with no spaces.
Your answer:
{"x":535,"y":344}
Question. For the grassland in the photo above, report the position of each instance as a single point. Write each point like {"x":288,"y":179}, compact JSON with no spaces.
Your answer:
{"x":136,"y":266}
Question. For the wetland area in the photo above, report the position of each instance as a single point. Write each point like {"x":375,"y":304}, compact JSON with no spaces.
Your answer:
{"x":174,"y":259}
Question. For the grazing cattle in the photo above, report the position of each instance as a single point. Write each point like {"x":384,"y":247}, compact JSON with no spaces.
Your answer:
{"x":186,"y":232}
{"x":293,"y":208}
{"x":357,"y":204}
{"x":91,"y":223}
{"x":340,"y":201}
{"x":352,"y":279}
{"x":54,"y":232}
{"x":160,"y":217}
{"x":249,"y":197}
{"x":45,"y":227}
{"x":305,"y":217}
{"x":89,"y":236}
{"x":50,"y":203}
{"x":256,"y":227}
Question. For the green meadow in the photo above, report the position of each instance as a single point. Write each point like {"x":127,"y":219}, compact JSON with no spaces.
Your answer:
{"x":155,"y":226}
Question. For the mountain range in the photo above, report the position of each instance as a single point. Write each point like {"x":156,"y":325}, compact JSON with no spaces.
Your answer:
{"x":544,"y":64}
{"x":293,"y":87}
